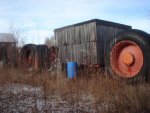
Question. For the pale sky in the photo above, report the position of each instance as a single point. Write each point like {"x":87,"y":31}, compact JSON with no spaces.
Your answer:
{"x":36,"y":19}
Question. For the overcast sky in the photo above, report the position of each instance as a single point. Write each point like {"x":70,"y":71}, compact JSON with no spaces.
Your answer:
{"x":36,"y":19}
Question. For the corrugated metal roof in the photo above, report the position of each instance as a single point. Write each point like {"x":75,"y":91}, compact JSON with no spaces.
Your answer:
{"x":7,"y":37}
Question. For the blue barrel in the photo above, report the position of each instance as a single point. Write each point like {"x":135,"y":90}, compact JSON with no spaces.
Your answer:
{"x":71,"y":69}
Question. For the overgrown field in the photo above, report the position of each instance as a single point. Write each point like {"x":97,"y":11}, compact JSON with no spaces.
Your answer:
{"x":31,"y":92}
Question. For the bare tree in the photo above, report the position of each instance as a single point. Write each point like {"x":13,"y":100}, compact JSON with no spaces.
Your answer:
{"x":13,"y":52}
{"x":18,"y":33}
{"x":50,"y":41}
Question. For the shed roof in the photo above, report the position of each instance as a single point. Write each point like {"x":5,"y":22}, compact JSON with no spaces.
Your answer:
{"x":98,"y":22}
{"x":7,"y":37}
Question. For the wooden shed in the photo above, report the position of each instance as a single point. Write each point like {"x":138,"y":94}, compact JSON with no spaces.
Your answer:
{"x":86,"y":42}
{"x":7,"y":46}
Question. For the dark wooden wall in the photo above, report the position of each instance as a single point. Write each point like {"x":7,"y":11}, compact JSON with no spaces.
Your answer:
{"x":7,"y":50}
{"x":77,"y":43}
{"x":85,"y":33}
{"x":86,"y":43}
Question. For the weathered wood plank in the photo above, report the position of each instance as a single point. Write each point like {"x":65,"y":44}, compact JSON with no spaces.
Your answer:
{"x":88,"y":57}
{"x":93,"y":51}
{"x":84,"y":50}
{"x":92,"y":28}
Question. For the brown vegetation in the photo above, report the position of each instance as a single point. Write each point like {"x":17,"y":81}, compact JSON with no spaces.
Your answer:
{"x":84,"y":94}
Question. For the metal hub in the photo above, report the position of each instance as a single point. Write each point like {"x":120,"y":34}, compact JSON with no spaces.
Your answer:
{"x":128,"y":59}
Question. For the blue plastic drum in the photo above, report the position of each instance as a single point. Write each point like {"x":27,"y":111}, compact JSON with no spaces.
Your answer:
{"x":71,"y":69}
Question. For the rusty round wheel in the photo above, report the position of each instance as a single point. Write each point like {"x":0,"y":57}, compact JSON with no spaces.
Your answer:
{"x":27,"y":56}
{"x":128,"y":55}
{"x":126,"y":59}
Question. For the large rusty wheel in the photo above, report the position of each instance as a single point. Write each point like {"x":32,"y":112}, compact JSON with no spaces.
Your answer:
{"x":126,"y":58}
{"x":128,"y":55}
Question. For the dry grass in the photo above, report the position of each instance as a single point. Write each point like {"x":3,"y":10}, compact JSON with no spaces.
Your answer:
{"x":105,"y":94}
